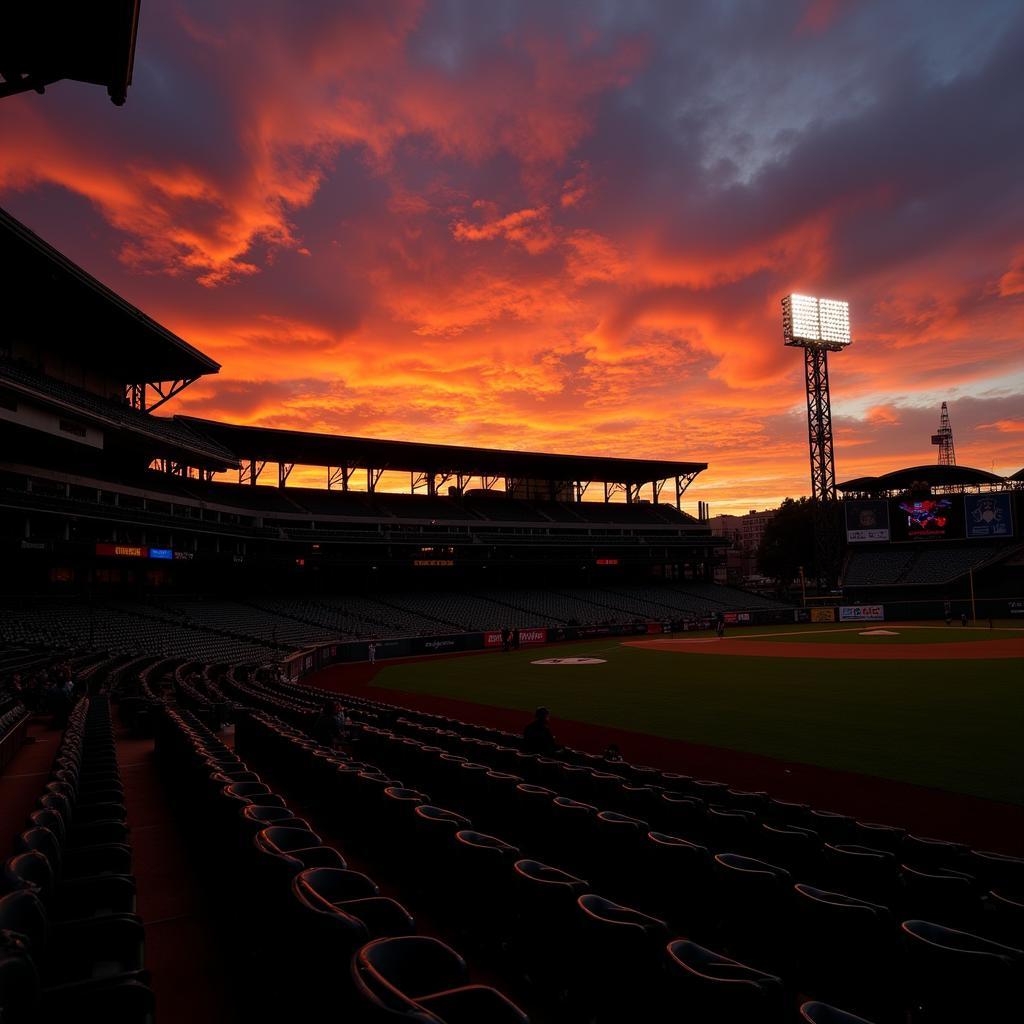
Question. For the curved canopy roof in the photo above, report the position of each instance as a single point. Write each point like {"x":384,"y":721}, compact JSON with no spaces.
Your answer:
{"x":54,"y":302}
{"x":937,"y":476}
{"x":294,"y":446}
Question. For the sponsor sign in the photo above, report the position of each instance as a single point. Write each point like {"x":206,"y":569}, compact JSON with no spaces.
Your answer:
{"x":1016,"y":607}
{"x":493,"y":638}
{"x":862,"y":613}
{"x":988,"y":515}
{"x":866,"y":521}
{"x":533,"y":636}
{"x":655,"y":627}
{"x":440,"y":643}
{"x":121,"y":551}
{"x":823,"y":615}
{"x":162,"y":553}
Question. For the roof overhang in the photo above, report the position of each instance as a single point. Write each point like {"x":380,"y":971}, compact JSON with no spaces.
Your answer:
{"x":90,"y":41}
{"x":55,"y":301}
{"x":292,"y":446}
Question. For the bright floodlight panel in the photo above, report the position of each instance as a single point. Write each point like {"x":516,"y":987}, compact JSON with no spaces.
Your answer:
{"x":810,"y":321}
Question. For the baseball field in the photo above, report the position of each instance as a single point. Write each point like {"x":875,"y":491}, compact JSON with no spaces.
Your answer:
{"x":897,"y":714}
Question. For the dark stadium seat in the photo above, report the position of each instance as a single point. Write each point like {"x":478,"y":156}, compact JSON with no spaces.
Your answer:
{"x":89,"y":897}
{"x":86,"y":950}
{"x":546,"y":922}
{"x":531,"y":814}
{"x":832,"y":827}
{"x":80,"y":864}
{"x":680,"y":883}
{"x":871,"y":875}
{"x":707,"y":988}
{"x":418,"y":978}
{"x":483,"y":865}
{"x":926,"y":853}
{"x":955,"y":976}
{"x":680,"y":815}
{"x":572,"y":824}
{"x":821,"y":1013}
{"x":620,"y":975}
{"x":619,"y":842}
{"x":878,"y":837}
{"x":755,"y":900}
{"x":1003,"y":918}
{"x":798,"y":850}
{"x":941,"y":895}
{"x":997,"y":871}
{"x":847,"y":951}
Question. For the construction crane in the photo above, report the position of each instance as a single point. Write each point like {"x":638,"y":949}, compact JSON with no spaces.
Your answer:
{"x":944,"y":439}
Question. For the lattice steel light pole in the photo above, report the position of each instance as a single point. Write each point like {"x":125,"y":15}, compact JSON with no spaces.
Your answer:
{"x":943,"y":437}
{"x":819,"y":326}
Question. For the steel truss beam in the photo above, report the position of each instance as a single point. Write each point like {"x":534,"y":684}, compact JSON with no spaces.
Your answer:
{"x":682,"y":482}
{"x":151,"y":394}
{"x":249,"y":470}
{"x":339,"y":475}
{"x":490,"y":482}
{"x":611,"y":489}
{"x":581,"y":488}
{"x":284,"y":470}
{"x":373,"y":478}
{"x":657,"y":486}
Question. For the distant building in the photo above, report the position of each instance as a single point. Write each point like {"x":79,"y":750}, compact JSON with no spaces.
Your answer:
{"x":744,"y":534}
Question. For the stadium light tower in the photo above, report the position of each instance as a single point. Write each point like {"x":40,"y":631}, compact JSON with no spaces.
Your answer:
{"x":944,"y":439}
{"x":819,"y":326}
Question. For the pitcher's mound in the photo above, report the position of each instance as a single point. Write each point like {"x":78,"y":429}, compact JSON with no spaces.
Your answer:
{"x":879,"y":632}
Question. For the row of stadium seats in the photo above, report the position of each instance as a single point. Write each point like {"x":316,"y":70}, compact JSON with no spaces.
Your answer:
{"x":69,"y":625}
{"x":214,"y":630}
{"x":783,"y":933}
{"x":308,"y":911}
{"x":72,"y":943}
{"x":913,"y":566}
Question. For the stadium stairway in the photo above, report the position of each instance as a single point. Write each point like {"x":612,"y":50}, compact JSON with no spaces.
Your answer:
{"x":190,"y":976}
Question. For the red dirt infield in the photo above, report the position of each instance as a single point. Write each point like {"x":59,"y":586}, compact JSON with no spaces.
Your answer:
{"x":982,"y":824}
{"x":885,"y":651}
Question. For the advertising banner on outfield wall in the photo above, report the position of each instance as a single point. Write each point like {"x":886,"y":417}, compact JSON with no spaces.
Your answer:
{"x":866,"y":521}
{"x":988,"y":515}
{"x":862,"y":613}
{"x":823,"y":615}
{"x":443,"y":644}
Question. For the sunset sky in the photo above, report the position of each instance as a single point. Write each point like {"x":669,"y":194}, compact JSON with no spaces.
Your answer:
{"x":564,"y":226}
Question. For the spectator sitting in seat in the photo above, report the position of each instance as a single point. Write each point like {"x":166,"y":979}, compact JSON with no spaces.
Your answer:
{"x":329,"y":728}
{"x":537,"y":737}
{"x":612,"y":752}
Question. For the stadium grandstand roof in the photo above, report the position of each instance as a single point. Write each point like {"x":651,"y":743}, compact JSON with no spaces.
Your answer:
{"x":935,"y":475}
{"x":53,"y":301}
{"x":90,"y":41}
{"x":293,"y":446}
{"x":1019,"y":475}
{"x":162,"y":435}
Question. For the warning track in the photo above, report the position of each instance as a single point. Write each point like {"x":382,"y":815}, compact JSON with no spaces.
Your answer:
{"x":748,"y":648}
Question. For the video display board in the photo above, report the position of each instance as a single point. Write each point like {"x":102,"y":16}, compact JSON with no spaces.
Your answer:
{"x":867,"y":521}
{"x":932,"y":518}
{"x":988,"y":515}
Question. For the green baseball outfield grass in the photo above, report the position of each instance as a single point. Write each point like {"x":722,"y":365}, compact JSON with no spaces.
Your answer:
{"x":944,"y":707}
